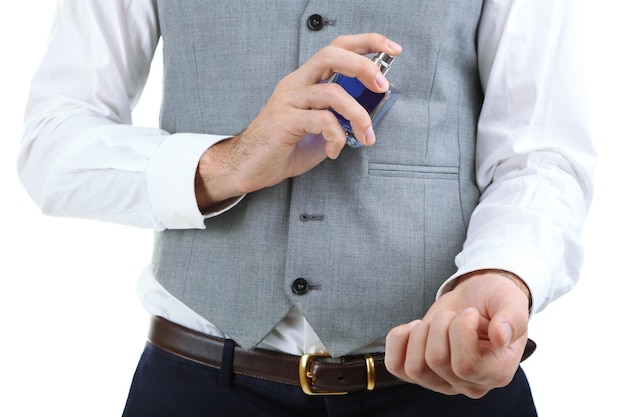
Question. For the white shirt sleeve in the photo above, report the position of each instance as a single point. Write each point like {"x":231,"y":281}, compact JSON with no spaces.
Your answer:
{"x":535,"y":159}
{"x":80,"y":156}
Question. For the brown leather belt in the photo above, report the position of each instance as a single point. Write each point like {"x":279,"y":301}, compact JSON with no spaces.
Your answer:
{"x":314,"y":373}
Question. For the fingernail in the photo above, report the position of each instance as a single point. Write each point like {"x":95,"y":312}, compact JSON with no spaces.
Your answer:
{"x":381,"y":81}
{"x":507,"y":333}
{"x":370,"y":137}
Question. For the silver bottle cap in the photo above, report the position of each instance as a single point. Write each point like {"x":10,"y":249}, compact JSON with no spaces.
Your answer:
{"x":384,"y":61}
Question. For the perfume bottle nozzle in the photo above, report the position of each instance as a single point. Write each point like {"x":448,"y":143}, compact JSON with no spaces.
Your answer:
{"x":384,"y":61}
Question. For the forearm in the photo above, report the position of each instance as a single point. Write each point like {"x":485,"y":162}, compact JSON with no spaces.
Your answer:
{"x":80,"y":156}
{"x":535,"y":158}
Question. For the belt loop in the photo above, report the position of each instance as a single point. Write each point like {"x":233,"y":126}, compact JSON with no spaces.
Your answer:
{"x":226,"y":368}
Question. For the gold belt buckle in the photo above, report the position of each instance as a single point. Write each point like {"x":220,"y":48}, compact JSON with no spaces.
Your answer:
{"x":306,"y":376}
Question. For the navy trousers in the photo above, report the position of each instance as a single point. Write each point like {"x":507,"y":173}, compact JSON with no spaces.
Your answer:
{"x":166,"y":385}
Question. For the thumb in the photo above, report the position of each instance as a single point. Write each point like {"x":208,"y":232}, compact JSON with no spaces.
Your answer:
{"x":508,"y":325}
{"x":509,"y":316}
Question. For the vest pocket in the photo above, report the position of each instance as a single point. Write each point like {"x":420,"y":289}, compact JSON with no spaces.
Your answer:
{"x":414,"y":171}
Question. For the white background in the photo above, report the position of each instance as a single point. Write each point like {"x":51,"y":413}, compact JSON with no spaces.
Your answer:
{"x":71,"y":328}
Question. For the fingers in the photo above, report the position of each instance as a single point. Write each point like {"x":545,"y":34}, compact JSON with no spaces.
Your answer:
{"x":395,"y":349}
{"x":451,"y":354}
{"x":331,"y":59}
{"x":470,"y":341}
{"x":323,"y":122}
{"x":345,"y":55}
{"x":402,"y":351}
{"x":299,"y":108}
{"x":324,"y":96}
{"x":366,"y":43}
{"x":320,"y":122}
{"x":303,"y":90}
{"x":411,"y":354}
{"x":477,"y":364}
{"x":506,"y":302}
{"x":426,"y":359}
{"x":429,"y":353}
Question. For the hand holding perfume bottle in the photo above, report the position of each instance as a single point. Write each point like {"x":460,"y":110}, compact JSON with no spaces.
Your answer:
{"x":291,"y":134}
{"x":376,"y":104}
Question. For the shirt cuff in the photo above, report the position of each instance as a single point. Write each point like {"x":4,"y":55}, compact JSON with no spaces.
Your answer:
{"x":527,"y":264}
{"x":171,"y":177}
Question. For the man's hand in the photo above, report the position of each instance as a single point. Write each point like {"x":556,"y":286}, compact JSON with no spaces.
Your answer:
{"x":294,"y":131}
{"x":470,"y":341}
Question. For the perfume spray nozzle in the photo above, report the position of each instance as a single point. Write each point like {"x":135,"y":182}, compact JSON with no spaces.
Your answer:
{"x":384,"y":61}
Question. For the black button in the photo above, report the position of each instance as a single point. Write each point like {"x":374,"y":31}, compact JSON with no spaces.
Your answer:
{"x":300,"y":286}
{"x":304,"y":217}
{"x":315,"y":22}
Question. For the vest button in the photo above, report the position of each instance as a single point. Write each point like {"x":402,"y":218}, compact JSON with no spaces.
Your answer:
{"x":300,"y":286}
{"x":315,"y":22}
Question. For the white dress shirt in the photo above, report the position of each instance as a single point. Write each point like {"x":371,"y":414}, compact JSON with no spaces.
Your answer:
{"x":81,"y":156}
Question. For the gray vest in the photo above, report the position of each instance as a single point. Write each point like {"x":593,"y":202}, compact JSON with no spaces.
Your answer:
{"x":367,"y":238}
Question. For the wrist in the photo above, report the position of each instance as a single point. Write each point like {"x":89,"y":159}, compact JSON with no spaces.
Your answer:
{"x":212,"y":181}
{"x":519,"y":283}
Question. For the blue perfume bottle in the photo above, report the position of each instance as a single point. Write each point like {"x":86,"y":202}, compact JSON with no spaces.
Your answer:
{"x":376,"y":104}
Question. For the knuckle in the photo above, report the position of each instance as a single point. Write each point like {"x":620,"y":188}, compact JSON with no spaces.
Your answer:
{"x":324,"y":54}
{"x":282,"y":82}
{"x":393,"y":337}
{"x":393,"y":364}
{"x":281,"y":98}
{"x":282,"y":85}
{"x":437,"y":357}
{"x":340,"y":40}
{"x":335,"y":89}
{"x":475,"y":392}
{"x":368,"y":67}
{"x":447,"y":389}
{"x":480,"y":380}
{"x":465,"y":369}
{"x":327,"y":118}
{"x":415,"y":369}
